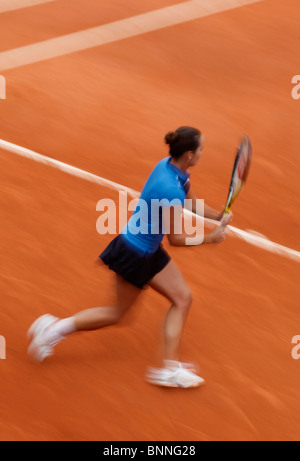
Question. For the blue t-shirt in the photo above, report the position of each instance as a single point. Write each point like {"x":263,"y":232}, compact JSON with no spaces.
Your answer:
{"x":166,"y":186}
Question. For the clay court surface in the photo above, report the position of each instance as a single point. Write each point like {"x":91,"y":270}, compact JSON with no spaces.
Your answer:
{"x":106,"y":110}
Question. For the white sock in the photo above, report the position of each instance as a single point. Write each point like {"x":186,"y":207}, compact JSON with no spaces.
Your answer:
{"x":65,"y":327}
{"x":171,"y":364}
{"x":60,"y":329}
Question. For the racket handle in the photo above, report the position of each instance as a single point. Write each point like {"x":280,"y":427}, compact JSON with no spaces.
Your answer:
{"x":226,"y":212}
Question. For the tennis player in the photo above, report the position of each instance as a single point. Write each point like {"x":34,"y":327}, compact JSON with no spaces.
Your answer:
{"x":139,"y":259}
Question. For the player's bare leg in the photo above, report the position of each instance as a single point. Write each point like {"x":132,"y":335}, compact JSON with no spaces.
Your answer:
{"x":47,"y":331}
{"x":172,"y":285}
{"x":99,"y":317}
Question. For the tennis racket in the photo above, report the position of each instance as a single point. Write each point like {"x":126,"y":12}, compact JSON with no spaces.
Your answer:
{"x":239,"y":172}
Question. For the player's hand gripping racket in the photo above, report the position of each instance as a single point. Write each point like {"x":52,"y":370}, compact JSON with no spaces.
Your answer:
{"x":239,"y":172}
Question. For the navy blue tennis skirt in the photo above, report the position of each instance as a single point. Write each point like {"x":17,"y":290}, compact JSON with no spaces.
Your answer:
{"x":136,"y":269}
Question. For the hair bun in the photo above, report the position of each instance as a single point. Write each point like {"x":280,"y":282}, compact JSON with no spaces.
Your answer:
{"x":171,"y":137}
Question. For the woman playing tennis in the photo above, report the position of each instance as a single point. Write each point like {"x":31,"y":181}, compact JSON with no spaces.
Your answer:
{"x":138,"y":259}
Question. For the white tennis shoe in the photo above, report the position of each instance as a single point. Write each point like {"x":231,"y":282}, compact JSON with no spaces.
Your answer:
{"x":41,"y":344}
{"x":174,"y":374}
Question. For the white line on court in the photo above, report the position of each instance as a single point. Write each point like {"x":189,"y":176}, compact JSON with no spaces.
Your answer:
{"x":251,"y":238}
{"x":72,"y":170}
{"x":114,"y":31}
{"x":10,"y":5}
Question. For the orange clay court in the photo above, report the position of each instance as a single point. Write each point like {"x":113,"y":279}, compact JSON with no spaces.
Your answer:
{"x":105,"y":109}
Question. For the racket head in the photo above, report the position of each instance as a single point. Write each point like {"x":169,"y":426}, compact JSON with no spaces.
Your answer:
{"x":240,"y":170}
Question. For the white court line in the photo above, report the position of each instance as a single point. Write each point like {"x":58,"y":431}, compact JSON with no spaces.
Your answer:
{"x":10,"y":5}
{"x":255,"y":240}
{"x":72,"y":170}
{"x":114,"y":31}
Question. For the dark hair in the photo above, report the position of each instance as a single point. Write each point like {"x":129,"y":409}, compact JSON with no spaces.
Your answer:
{"x":183,"y":139}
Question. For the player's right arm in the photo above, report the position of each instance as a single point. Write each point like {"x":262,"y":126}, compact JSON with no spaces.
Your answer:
{"x":183,"y":239}
{"x":209,"y":212}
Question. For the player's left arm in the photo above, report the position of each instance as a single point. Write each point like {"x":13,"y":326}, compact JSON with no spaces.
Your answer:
{"x":209,"y":212}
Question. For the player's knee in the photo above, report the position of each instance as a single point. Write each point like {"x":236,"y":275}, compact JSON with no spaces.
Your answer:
{"x":114,"y":316}
{"x":184,"y":298}
{"x":188,"y":298}
{"x":118,"y":315}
